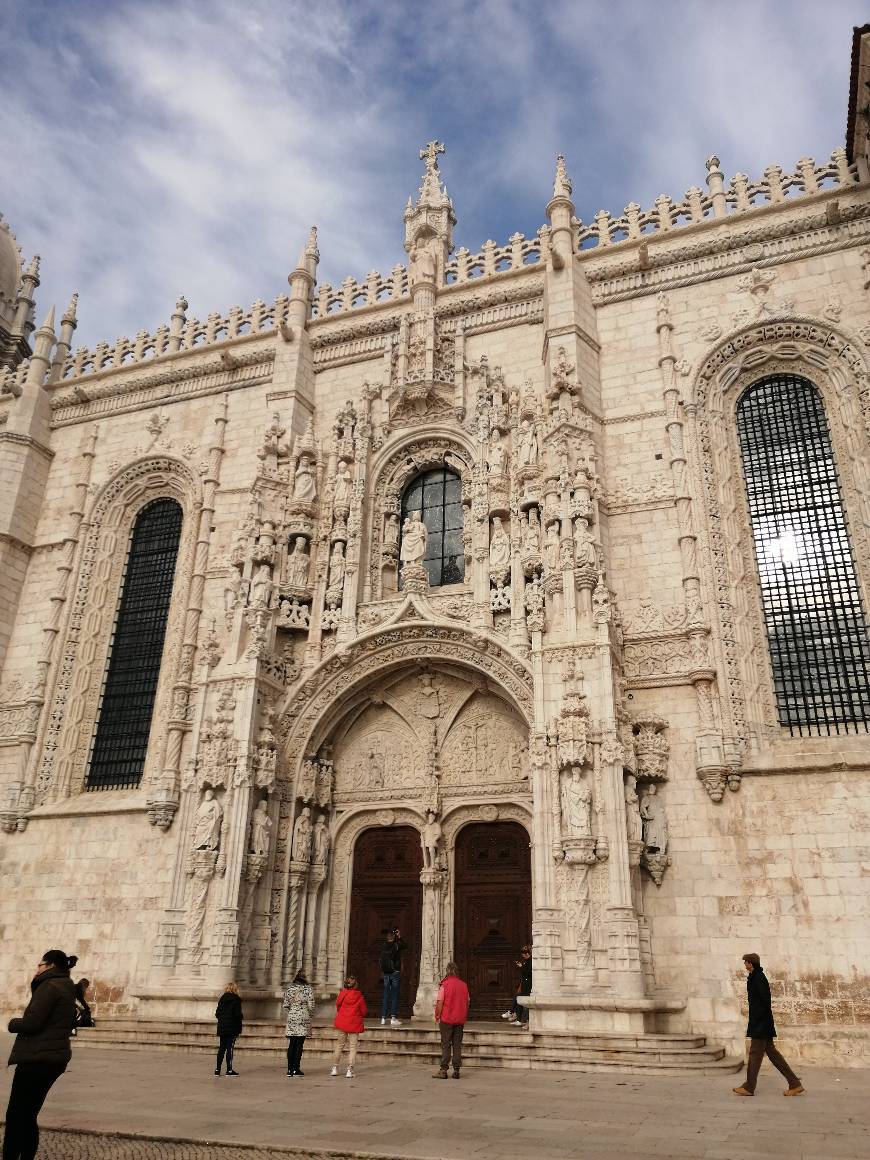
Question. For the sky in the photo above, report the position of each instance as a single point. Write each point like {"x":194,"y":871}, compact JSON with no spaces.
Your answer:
{"x":158,"y":147}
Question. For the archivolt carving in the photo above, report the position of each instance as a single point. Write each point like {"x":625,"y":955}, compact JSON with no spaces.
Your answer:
{"x":78,"y":679}
{"x":310,"y":711}
{"x":826,"y":357}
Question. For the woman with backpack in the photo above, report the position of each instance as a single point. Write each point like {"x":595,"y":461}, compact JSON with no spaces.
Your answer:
{"x":229,"y":1026}
{"x":350,"y":1011}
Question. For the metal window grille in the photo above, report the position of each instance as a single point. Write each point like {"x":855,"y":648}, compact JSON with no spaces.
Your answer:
{"x":816,"y":626}
{"x":438,"y":496}
{"x":130,"y":685}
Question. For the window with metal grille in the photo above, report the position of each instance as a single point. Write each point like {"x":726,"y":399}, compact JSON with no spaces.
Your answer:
{"x":816,"y":627}
{"x":130,"y":685}
{"x":438,"y":496}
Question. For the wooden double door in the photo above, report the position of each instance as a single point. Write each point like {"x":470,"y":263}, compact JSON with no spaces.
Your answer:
{"x":493,"y":912}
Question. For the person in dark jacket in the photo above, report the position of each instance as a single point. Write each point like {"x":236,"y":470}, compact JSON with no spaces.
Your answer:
{"x":391,"y":969}
{"x":517,"y":1013}
{"x":761,"y":1032}
{"x":229,"y":1026}
{"x":41,"y":1051}
{"x":84,"y":1018}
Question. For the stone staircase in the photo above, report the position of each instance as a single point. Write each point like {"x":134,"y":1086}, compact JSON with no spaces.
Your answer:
{"x":484,"y":1045}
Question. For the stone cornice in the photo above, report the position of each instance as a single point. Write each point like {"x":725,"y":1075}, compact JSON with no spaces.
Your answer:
{"x":27,"y":441}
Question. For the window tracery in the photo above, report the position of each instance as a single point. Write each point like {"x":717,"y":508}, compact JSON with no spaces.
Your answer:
{"x":437,"y":495}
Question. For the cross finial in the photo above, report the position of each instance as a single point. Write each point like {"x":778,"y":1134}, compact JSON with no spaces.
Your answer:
{"x":430,"y":155}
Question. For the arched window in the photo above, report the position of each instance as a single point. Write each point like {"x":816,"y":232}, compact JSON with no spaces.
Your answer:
{"x":130,"y":685}
{"x":816,"y":627}
{"x":438,"y":496}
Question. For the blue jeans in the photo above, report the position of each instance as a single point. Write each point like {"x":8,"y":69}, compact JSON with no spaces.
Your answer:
{"x":391,"y":994}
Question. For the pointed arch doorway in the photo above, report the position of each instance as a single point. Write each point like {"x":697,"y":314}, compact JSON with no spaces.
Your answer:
{"x":493,"y":911}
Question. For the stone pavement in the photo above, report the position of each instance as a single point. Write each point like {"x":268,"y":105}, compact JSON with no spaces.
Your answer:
{"x":172,"y":1105}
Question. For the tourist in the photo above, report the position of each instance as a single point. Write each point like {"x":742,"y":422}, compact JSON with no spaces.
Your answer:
{"x":229,"y":1026}
{"x":41,"y":1051}
{"x":518,"y":1013}
{"x":391,"y":969}
{"x":451,"y":1012}
{"x":762,"y":1032}
{"x":350,"y":1011}
{"x":299,"y":1005}
{"x":84,"y":1018}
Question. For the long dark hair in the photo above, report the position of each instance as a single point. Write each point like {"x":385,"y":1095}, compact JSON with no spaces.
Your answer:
{"x":60,"y":960}
{"x":299,"y":977}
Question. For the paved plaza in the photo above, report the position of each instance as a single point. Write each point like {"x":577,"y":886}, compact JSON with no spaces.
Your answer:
{"x":169,"y":1104}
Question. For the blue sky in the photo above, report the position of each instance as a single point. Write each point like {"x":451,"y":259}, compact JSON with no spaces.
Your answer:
{"x":167,"y":146}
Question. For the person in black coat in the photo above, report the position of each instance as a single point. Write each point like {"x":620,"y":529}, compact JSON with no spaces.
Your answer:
{"x":41,"y":1051}
{"x":761,"y":1031}
{"x":84,"y":1016}
{"x":518,"y":1013}
{"x":229,"y":1026}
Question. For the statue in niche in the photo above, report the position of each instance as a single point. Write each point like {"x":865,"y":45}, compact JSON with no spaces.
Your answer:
{"x":207,"y":823}
{"x":336,"y":565}
{"x":298,"y":563}
{"x":391,"y":534}
{"x":584,"y":547}
{"x":373,"y":771}
{"x":551,"y":548}
{"x":414,"y":538}
{"x":515,"y":761}
{"x":343,"y":484}
{"x":320,"y":840}
{"x":261,"y":828}
{"x":262,"y":587}
{"x":232,"y":589}
{"x":304,"y":486}
{"x":302,"y":837}
{"x":532,"y":533}
{"x":655,"y":822}
{"x":527,"y":450}
{"x":429,"y":708}
{"x":497,"y":457}
{"x":633,"y":822}
{"x":576,"y":804}
{"x":499,"y":547}
{"x":421,"y":262}
{"x":430,"y":839}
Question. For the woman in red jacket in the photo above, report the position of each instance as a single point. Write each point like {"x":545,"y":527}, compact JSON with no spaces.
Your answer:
{"x":350,"y":1011}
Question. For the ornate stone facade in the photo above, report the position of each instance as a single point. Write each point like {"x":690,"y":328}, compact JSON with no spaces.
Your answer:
{"x":599,"y":675}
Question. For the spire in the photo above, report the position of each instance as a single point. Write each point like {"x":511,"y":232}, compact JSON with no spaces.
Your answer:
{"x":309,"y":251}
{"x":430,"y":221}
{"x":562,"y":186}
{"x":32,"y":270}
{"x":69,"y":315}
{"x":49,"y":322}
{"x":68,"y":324}
{"x":301,"y":280}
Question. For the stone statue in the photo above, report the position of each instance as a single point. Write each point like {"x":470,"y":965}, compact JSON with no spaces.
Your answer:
{"x":343,"y":485}
{"x":584,"y":548}
{"x":302,"y":837}
{"x":527,"y":451}
{"x":207,"y":823}
{"x":391,"y":534}
{"x":532,"y":533}
{"x":321,"y":842}
{"x":633,"y":823}
{"x":414,"y":538}
{"x":304,"y":487}
{"x":499,"y":546}
{"x":429,"y":708}
{"x":262,"y":587}
{"x":336,"y":565}
{"x":421,"y":263}
{"x":576,"y":805}
{"x":655,"y":822}
{"x":298,"y":563}
{"x":430,"y":840}
{"x":497,"y":457}
{"x":261,"y":828}
{"x":373,"y":773}
{"x":551,"y":548}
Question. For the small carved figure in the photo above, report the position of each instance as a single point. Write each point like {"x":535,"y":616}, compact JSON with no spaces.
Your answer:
{"x":298,"y":563}
{"x":497,"y":457}
{"x":261,"y":828}
{"x":633,"y":823}
{"x":421,"y":263}
{"x":321,"y":842}
{"x":207,"y":823}
{"x":527,"y":451}
{"x":373,"y":774}
{"x":414,"y":538}
{"x":232,"y":589}
{"x":302,"y":836}
{"x":262,"y":587}
{"x":551,"y":548}
{"x":304,"y":486}
{"x":576,"y":805}
{"x":655,"y":822}
{"x":532,"y":534}
{"x":499,"y":546}
{"x":336,"y":565}
{"x":584,"y":547}
{"x":430,"y":840}
{"x":428,"y":707}
{"x":343,"y":484}
{"x":391,"y":534}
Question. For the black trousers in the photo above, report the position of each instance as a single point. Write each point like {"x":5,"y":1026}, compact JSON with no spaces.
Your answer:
{"x":30,"y":1085}
{"x":227,"y":1042}
{"x":295,"y":1044}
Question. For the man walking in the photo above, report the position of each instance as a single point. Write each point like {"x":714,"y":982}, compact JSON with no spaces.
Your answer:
{"x":761,"y":1032}
{"x":451,"y":1012}
{"x":391,"y":969}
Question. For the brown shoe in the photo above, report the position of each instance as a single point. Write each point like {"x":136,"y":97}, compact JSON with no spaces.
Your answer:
{"x":439,"y":1074}
{"x":742,"y":1091}
{"x":795,"y":1091}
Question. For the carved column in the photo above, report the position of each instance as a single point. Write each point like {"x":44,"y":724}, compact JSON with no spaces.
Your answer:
{"x":434,"y":883}
{"x":315,"y":879}
{"x":297,"y":878}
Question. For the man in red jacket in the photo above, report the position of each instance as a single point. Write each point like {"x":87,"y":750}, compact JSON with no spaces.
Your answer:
{"x":451,"y":1011}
